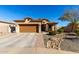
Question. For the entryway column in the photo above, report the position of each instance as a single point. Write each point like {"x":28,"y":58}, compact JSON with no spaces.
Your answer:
{"x":9,"y":29}
{"x":46,"y":27}
{"x":53,"y":28}
{"x":39,"y":28}
{"x":17,"y":28}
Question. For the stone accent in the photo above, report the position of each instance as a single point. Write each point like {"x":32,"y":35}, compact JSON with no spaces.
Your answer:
{"x":46,"y":27}
{"x":55,"y":42}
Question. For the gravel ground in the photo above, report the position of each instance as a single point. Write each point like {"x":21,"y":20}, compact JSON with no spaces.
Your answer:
{"x":46,"y":37}
{"x":68,"y":44}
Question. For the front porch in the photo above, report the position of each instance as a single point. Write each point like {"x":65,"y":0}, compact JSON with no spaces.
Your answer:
{"x":48,"y":27}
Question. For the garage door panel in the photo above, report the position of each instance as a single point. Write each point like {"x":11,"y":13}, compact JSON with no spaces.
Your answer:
{"x":28,"y":28}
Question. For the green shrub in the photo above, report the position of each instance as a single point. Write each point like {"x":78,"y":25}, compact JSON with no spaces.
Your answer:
{"x":61,"y":30}
{"x":52,"y":33}
{"x":77,"y":31}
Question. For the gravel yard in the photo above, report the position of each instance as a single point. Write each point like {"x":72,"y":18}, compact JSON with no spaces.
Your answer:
{"x":69,"y":43}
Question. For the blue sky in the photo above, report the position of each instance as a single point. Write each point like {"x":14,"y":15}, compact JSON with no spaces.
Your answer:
{"x":51,"y":12}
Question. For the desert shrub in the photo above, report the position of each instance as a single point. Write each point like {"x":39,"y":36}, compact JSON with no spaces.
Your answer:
{"x":77,"y":31}
{"x":60,"y":30}
{"x":52,"y":33}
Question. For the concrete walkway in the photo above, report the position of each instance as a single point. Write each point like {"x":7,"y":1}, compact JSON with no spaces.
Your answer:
{"x":33,"y":51}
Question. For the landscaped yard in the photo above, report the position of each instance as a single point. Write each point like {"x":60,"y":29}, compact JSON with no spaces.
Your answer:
{"x":70,"y":41}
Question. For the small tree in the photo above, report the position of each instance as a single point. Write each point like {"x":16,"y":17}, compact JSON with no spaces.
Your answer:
{"x":60,"y":30}
{"x":71,"y":15}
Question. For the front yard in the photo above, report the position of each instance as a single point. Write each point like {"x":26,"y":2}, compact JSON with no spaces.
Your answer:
{"x":70,"y":41}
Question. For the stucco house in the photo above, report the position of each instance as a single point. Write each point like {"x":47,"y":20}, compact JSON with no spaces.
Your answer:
{"x":34,"y":25}
{"x":27,"y":25}
{"x":69,"y":27}
{"x":7,"y":27}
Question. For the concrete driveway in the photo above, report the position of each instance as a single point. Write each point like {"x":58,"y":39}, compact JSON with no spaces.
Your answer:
{"x":19,"y":40}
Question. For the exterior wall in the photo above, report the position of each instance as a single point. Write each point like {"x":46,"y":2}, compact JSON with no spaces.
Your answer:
{"x":47,"y":27}
{"x":28,"y":23}
{"x":68,"y":29}
{"x":4,"y":27}
{"x":17,"y":29}
{"x":39,"y":28}
{"x":53,"y":28}
{"x":34,"y":22}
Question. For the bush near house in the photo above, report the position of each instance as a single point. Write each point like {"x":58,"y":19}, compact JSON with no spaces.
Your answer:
{"x":77,"y":31}
{"x":60,"y":30}
{"x":52,"y":32}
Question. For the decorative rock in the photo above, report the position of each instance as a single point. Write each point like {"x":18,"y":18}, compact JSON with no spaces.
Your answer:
{"x":49,"y":43}
{"x":55,"y":42}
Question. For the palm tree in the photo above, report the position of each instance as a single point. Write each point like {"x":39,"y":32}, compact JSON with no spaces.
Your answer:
{"x":71,"y":15}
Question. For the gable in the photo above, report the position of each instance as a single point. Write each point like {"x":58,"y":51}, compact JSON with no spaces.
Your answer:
{"x":44,"y":21}
{"x":27,"y":20}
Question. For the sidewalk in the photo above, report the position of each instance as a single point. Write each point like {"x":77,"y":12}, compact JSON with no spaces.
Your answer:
{"x":32,"y":51}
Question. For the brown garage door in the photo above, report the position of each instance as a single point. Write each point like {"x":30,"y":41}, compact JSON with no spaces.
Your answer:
{"x":28,"y":28}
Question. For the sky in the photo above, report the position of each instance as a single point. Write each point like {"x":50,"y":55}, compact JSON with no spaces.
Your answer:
{"x":19,"y":12}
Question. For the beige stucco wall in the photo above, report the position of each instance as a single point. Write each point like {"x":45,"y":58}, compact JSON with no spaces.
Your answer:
{"x":17,"y":29}
{"x":4,"y":27}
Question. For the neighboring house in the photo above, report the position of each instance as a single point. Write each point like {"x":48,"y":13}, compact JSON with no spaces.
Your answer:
{"x":39,"y":25}
{"x":69,"y":27}
{"x":7,"y":27}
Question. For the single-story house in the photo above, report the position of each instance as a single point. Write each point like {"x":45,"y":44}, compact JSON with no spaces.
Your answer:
{"x":31,"y":25}
{"x":7,"y":27}
{"x":69,"y":27}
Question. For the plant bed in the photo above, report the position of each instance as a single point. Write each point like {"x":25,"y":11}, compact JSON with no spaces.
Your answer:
{"x":60,"y":30}
{"x":52,"y":33}
{"x":77,"y":32}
